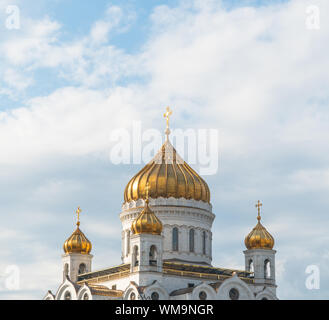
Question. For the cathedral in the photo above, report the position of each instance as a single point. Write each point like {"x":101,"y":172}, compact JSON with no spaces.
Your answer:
{"x":166,"y":249}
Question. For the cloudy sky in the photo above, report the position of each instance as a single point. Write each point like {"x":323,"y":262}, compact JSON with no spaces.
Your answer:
{"x":75,"y":71}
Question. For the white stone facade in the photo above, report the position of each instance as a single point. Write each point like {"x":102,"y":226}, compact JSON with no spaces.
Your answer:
{"x":180,"y":213}
{"x":148,"y":274}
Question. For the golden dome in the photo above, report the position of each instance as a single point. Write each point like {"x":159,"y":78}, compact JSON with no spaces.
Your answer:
{"x":77,"y":242}
{"x":259,"y":237}
{"x":146,"y":222}
{"x":168,"y":176}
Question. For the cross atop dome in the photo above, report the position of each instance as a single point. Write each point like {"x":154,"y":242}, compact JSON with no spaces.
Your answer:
{"x":78,"y":214}
{"x":259,"y":237}
{"x":168,"y":175}
{"x":167,"y":116}
{"x":77,"y":242}
{"x":258,"y":205}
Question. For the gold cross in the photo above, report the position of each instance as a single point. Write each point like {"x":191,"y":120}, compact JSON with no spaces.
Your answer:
{"x":258,"y":205}
{"x":78,"y":213}
{"x":167,"y":116}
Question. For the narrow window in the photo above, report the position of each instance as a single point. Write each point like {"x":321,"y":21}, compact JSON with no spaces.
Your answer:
{"x":135,"y":256}
{"x":175,"y":239}
{"x":251,"y":266}
{"x":153,"y":256}
{"x":82,"y":268}
{"x":267,"y":269}
{"x":204,"y":242}
{"x":128,"y":242}
{"x":192,"y":240}
{"x":66,"y":269}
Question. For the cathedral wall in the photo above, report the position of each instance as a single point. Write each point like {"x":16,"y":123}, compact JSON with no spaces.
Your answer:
{"x":121,"y":283}
{"x":181,"y":213}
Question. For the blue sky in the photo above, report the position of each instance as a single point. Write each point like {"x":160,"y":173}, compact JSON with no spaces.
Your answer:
{"x":76,"y":71}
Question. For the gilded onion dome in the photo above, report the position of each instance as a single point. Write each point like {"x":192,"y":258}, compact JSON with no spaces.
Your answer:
{"x":259,"y":237}
{"x":147,"y":221}
{"x":77,"y":242}
{"x":168,"y":176}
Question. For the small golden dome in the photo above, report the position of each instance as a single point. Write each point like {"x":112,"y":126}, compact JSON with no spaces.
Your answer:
{"x":147,"y":221}
{"x":77,"y":242}
{"x":168,"y":176}
{"x":259,"y":237}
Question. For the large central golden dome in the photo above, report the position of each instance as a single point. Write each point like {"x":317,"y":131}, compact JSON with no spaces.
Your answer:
{"x":168,"y":176}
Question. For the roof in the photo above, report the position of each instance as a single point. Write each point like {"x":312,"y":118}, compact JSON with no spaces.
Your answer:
{"x":170,"y":268}
{"x":204,"y":271}
{"x":168,"y":176}
{"x":202,"y":263}
{"x":182,"y":291}
{"x":215,"y":285}
{"x":104,"y":273}
{"x":75,"y":285}
{"x":179,"y":292}
{"x":104,"y":291}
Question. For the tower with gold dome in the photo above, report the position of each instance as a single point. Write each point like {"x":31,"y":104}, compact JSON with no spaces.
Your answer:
{"x":180,"y":198}
{"x":146,"y":243}
{"x":260,"y":256}
{"x":167,"y":247}
{"x":76,"y":258}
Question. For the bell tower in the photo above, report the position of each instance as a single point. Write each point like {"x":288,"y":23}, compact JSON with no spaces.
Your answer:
{"x":260,"y":256}
{"x":146,"y":240}
{"x":76,"y":258}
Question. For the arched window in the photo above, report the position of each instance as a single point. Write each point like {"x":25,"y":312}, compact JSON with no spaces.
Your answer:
{"x":153,"y":255}
{"x":267,"y":269}
{"x":175,"y":239}
{"x":155,"y":296}
{"x":204,"y":242}
{"x":86,"y":296}
{"x":128,"y":242}
{"x":203,"y":295}
{"x":191,"y":238}
{"x":250,"y":266}
{"x":234,"y":294}
{"x":82,"y":268}
{"x":135,"y":256}
{"x":66,"y":269}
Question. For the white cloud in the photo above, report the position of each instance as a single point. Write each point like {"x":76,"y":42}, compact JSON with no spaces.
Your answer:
{"x":48,"y":128}
{"x":17,"y":80}
{"x":100,"y":30}
{"x":33,"y":45}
